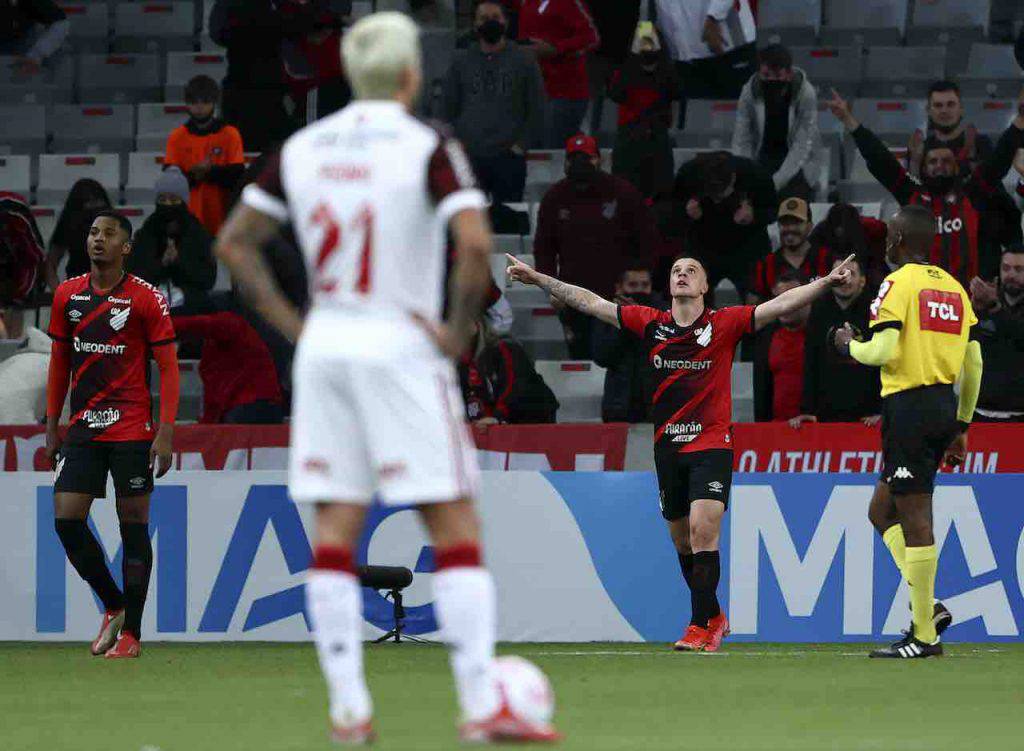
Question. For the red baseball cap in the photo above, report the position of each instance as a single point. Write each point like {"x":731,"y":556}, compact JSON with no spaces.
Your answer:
{"x":581,"y":142}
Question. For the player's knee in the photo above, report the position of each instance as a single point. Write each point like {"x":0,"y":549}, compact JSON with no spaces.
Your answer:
{"x":703,"y":535}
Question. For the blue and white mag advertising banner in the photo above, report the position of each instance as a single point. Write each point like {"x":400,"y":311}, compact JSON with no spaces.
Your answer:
{"x":576,"y":557}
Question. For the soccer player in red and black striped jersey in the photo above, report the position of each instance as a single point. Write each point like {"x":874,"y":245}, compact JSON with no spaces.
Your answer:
{"x":690,"y":353}
{"x":105,"y":326}
{"x":958,"y":202}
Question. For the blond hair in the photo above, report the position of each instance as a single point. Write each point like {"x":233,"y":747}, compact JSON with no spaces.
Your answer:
{"x":377,"y":51}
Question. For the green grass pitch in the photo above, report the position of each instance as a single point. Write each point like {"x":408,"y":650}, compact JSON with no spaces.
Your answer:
{"x":218,"y":697}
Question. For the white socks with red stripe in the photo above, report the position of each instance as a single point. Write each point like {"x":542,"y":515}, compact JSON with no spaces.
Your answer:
{"x":465,"y":602}
{"x":335,"y":606}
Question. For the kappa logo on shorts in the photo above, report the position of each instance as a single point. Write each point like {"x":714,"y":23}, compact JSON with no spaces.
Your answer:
{"x":716,"y":487}
{"x":137,"y":483}
{"x":704,"y":336}
{"x":902,"y":473}
{"x":119,"y":317}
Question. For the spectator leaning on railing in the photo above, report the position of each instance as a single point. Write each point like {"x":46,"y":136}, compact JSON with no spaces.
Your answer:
{"x":32,"y":31}
{"x":777,"y":124}
{"x":1000,"y":308}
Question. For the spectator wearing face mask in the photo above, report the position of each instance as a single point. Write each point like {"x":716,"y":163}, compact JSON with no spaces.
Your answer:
{"x":494,"y":99}
{"x":796,"y":253}
{"x":587,"y":226}
{"x":209,"y":152}
{"x":779,"y":360}
{"x":172,"y":250}
{"x":777,"y":124}
{"x":723,"y":206}
{"x":644,"y":88}
{"x":623,"y":355}
{"x":958,"y":201}
{"x":946,"y":127}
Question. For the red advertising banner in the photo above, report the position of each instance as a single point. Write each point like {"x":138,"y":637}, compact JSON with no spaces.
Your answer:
{"x":500,"y":447}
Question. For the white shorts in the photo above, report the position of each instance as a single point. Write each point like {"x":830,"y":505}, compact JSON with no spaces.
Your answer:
{"x":390,"y":427}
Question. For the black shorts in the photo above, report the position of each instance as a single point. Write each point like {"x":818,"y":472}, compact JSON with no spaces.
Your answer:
{"x":684,"y":478}
{"x":83,"y":468}
{"x":917,"y":427}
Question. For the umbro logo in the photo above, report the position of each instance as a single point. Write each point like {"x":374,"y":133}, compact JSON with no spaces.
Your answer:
{"x":902,"y":473}
{"x":716,"y":487}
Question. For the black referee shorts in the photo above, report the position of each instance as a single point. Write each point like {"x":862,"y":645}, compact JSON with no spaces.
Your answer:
{"x":83,"y":468}
{"x":692,"y":476}
{"x":917,"y":427}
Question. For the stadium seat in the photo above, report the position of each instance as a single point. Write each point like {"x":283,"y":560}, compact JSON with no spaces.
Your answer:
{"x":183,"y":66}
{"x":992,"y":71}
{"x":990,"y":116}
{"x":892,"y":119}
{"x":508,"y":244}
{"x":537,"y":326}
{"x":832,"y":134}
{"x":861,"y":186}
{"x":578,"y":385}
{"x":92,"y":127}
{"x":22,"y":129}
{"x":793,"y":23}
{"x":545,"y":167}
{"x":122,"y":79}
{"x":742,"y":392}
{"x":918,"y":68}
{"x":863,"y":22}
{"x":55,"y":83}
{"x":90,"y":26}
{"x":46,"y":220}
{"x":709,"y":124}
{"x":143,"y":170}
{"x":158,"y":27}
{"x":530,"y":209}
{"x":953,"y":24}
{"x":58,"y":172}
{"x":828,"y":67}
{"x":15,"y":174}
{"x":498,"y":271}
{"x":155,"y":123}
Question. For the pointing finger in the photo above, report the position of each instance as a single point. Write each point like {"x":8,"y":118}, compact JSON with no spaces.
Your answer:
{"x":512,"y":258}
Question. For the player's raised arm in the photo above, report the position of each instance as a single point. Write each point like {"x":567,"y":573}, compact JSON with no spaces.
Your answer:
{"x":768,"y":312}
{"x":577,"y":298}
{"x":239,"y":246}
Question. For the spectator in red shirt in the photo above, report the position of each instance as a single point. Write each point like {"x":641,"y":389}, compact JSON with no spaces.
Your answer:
{"x":240,"y":383}
{"x":796,"y":252}
{"x":561,"y":33}
{"x":844,"y":232}
{"x":588,"y":225}
{"x":779,"y":359}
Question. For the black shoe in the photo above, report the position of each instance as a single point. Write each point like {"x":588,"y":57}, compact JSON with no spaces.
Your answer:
{"x":942,"y":618}
{"x":909,"y":648}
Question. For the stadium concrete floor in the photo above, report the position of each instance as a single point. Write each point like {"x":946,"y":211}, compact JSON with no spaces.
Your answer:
{"x":55,"y":697}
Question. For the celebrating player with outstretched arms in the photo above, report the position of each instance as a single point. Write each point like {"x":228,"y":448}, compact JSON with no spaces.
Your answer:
{"x":690,"y":353}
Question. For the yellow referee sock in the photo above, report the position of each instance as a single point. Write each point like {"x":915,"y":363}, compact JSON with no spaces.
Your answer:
{"x":893,"y":539}
{"x":921,"y":565}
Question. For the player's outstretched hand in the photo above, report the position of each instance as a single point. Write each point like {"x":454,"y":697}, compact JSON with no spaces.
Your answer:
{"x":52,"y":450}
{"x":957,"y":451}
{"x":840,"y":275}
{"x":518,"y":271}
{"x":160,"y":452}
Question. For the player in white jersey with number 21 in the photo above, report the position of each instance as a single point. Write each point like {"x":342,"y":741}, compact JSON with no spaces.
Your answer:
{"x":371,"y":193}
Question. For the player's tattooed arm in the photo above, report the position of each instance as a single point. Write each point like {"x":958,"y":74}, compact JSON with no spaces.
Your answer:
{"x":577,"y":298}
{"x":239,"y":246}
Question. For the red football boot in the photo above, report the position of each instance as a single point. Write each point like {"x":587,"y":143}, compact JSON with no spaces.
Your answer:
{"x":718,"y":629}
{"x":127,"y":647}
{"x":353,"y":735}
{"x":505,"y":727}
{"x":693,"y":640}
{"x":109,"y":628}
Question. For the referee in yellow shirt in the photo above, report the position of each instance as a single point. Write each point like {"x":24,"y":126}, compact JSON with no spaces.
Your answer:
{"x":921,"y":326}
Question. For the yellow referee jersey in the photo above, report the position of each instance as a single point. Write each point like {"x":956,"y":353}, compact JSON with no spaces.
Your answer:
{"x":934,"y":316}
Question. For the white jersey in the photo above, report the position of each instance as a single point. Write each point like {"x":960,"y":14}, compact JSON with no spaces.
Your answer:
{"x":369,"y":192}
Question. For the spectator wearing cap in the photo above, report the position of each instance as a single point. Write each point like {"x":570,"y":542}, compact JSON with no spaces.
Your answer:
{"x":209,"y":152}
{"x":779,"y":360}
{"x":560,"y":33}
{"x":644,"y":88}
{"x":723,"y":206}
{"x":826,"y":372}
{"x":777,"y":124}
{"x":1000,"y":309}
{"x":494,"y":99}
{"x":172,"y":250}
{"x":587,"y":225}
{"x":946,"y":127}
{"x":31,"y":31}
{"x":795,"y":252}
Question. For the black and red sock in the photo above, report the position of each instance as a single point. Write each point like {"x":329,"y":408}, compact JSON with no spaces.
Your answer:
{"x":86,"y":555}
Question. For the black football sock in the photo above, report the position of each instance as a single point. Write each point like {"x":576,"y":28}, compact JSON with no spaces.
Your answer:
{"x":706,"y":573}
{"x":86,"y":556}
{"x":136,"y":567}
{"x":686,"y":564}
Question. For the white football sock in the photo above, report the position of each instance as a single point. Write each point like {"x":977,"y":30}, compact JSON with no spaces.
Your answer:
{"x":335,"y":606}
{"x":465,"y":603}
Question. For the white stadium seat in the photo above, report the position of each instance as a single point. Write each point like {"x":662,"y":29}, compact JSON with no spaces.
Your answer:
{"x":46,"y":220}
{"x":992,"y":71}
{"x":92,"y":127}
{"x":893,"y":119}
{"x":143,"y":170}
{"x":55,"y":83}
{"x":58,"y":172}
{"x":183,"y":66}
{"x":864,"y":22}
{"x":508,"y":244}
{"x":119,"y":78}
{"x":952,"y":14}
{"x":154,"y":26}
{"x":578,"y":385}
{"x":742,"y":392}
{"x":792,"y":23}
{"x":156,"y":120}
{"x":709,"y":124}
{"x":90,"y":26}
{"x":137,"y":215}
{"x":22,"y":128}
{"x":861,"y":185}
{"x":991,"y":116}
{"x":841,"y":67}
{"x":15,"y":174}
{"x":918,"y":68}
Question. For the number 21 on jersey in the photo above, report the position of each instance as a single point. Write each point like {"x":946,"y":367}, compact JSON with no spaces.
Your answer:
{"x":331,"y":241}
